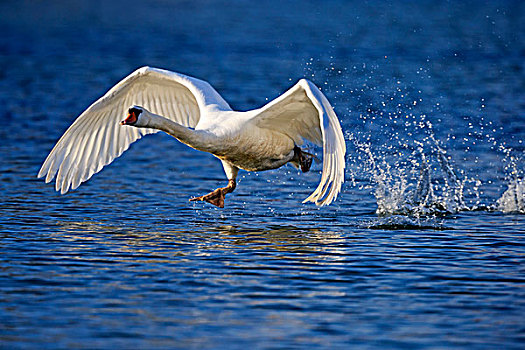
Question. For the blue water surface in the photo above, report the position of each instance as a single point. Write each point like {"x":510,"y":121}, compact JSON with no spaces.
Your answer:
{"x":423,"y":249}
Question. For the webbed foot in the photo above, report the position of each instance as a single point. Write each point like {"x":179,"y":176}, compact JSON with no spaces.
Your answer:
{"x":217,"y":197}
{"x":302,"y":159}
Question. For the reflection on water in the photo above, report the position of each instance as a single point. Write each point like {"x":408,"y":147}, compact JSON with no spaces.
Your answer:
{"x":219,"y":238}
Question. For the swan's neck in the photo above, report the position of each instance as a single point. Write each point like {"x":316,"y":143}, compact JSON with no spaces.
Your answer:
{"x":196,"y":139}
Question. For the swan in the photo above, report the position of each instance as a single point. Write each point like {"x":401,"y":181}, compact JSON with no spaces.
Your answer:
{"x":190,"y":110}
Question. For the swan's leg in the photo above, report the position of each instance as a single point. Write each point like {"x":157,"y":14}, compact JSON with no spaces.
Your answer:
{"x":302,"y":159}
{"x":217,"y":197}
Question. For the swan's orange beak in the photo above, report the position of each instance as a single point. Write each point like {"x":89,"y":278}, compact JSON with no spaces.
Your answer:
{"x":130,"y":120}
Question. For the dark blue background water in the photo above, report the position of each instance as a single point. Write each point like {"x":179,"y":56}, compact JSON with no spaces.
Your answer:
{"x":423,"y":249}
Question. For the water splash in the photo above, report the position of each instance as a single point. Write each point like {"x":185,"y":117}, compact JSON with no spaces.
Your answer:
{"x":421,"y":181}
{"x":513,"y":199}
{"x":424,"y":182}
{"x":412,"y":169}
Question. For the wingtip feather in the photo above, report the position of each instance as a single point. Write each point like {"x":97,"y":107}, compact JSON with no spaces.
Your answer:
{"x":334,"y":152}
{"x":41,"y":173}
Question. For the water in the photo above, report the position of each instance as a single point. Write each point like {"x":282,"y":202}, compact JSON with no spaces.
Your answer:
{"x":423,"y":249}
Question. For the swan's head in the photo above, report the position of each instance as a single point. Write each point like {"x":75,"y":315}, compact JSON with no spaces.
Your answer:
{"x":134,"y":116}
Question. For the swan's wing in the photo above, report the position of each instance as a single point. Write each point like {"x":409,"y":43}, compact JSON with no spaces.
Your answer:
{"x":303,"y":112}
{"x":95,"y":139}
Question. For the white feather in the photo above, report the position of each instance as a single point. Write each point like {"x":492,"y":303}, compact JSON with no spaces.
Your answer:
{"x":303,"y":112}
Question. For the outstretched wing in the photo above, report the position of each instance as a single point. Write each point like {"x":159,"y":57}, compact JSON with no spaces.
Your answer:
{"x":95,"y":139}
{"x":303,"y":112}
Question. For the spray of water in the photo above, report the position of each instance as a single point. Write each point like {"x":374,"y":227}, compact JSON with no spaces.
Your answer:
{"x":427,"y":183}
{"x":513,"y":199}
{"x":412,"y":170}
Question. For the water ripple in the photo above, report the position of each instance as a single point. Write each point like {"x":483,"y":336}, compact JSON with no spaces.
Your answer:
{"x":422,"y":250}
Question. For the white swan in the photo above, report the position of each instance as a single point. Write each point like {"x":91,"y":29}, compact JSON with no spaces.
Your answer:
{"x":193,"y":112}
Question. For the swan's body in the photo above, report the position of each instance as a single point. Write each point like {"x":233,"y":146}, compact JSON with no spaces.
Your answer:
{"x":193,"y":112}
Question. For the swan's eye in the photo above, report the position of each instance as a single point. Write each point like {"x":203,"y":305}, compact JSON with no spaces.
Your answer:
{"x":135,"y":111}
